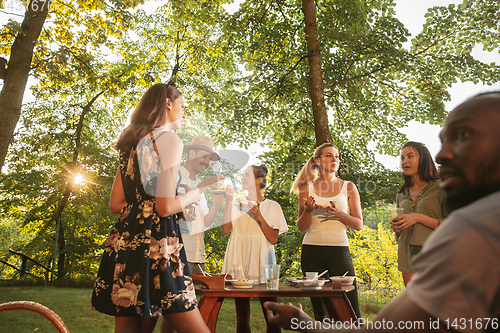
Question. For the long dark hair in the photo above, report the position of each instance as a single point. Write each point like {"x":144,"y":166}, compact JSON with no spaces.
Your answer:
{"x":150,"y":113}
{"x":426,"y":167}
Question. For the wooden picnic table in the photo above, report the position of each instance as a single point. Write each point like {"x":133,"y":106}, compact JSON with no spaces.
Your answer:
{"x":336,"y":302}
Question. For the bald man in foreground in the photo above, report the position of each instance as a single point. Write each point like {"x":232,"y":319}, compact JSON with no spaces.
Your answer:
{"x":456,"y":287}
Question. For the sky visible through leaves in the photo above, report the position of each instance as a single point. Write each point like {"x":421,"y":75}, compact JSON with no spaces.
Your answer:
{"x":410,"y":13}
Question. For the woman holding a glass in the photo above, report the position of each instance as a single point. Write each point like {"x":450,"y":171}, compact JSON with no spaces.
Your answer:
{"x":255,"y":224}
{"x":421,"y":199}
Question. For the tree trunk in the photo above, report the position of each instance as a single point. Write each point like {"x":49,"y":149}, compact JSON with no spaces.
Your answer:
{"x":70,"y":170}
{"x":320,"y":116}
{"x":61,"y":250}
{"x":16,"y":75}
{"x":61,"y":244}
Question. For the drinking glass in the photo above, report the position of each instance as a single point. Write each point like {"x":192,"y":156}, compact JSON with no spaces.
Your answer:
{"x":395,"y":212}
{"x":272,"y":274}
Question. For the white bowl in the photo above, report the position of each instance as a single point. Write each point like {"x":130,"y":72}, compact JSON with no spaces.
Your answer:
{"x":345,"y":280}
{"x":311,"y":284}
{"x":243,"y":284}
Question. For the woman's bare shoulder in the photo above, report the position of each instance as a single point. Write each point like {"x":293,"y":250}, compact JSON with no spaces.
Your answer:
{"x":351,"y":187}
{"x":167,"y":136}
{"x":170,"y":148}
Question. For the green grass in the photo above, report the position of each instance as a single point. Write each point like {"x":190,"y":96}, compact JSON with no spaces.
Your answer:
{"x":72,"y":305}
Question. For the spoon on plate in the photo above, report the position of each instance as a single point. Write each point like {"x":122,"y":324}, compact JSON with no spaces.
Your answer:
{"x":317,"y":277}
{"x":345,"y":274}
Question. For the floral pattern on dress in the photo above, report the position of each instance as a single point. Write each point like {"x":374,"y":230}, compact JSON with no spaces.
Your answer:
{"x":125,"y":295}
{"x":188,"y":296}
{"x":143,"y":270}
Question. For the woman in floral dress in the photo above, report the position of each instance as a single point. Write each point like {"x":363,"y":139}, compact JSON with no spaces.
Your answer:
{"x":143,"y":272}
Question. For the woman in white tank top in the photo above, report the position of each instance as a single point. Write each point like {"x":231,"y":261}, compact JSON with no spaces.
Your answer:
{"x":327,"y":206}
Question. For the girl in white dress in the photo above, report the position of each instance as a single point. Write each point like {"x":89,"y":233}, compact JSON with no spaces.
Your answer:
{"x":254,"y":223}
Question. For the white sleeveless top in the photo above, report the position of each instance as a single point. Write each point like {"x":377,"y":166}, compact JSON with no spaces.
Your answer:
{"x":325,"y":230}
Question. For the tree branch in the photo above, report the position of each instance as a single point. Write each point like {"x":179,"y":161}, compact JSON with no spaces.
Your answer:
{"x":389,"y":85}
{"x":278,"y":84}
{"x":85,"y":111}
{"x":354,"y":101}
{"x":280,"y":9}
{"x":387,"y":66}
{"x":290,"y":70}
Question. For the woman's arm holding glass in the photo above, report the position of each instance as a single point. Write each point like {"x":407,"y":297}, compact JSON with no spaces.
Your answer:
{"x":226,"y":216}
{"x":407,"y":220}
{"x":270,"y":233}
{"x":167,"y":201}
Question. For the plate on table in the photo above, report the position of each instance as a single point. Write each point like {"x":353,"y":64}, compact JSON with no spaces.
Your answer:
{"x":311,"y":284}
{"x":345,"y":280}
{"x":243,"y":284}
{"x":293,"y":281}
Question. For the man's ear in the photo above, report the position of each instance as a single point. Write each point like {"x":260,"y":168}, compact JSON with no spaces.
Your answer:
{"x":191,"y":154}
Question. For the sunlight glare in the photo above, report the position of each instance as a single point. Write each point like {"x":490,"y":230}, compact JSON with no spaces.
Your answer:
{"x":79,"y":180}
